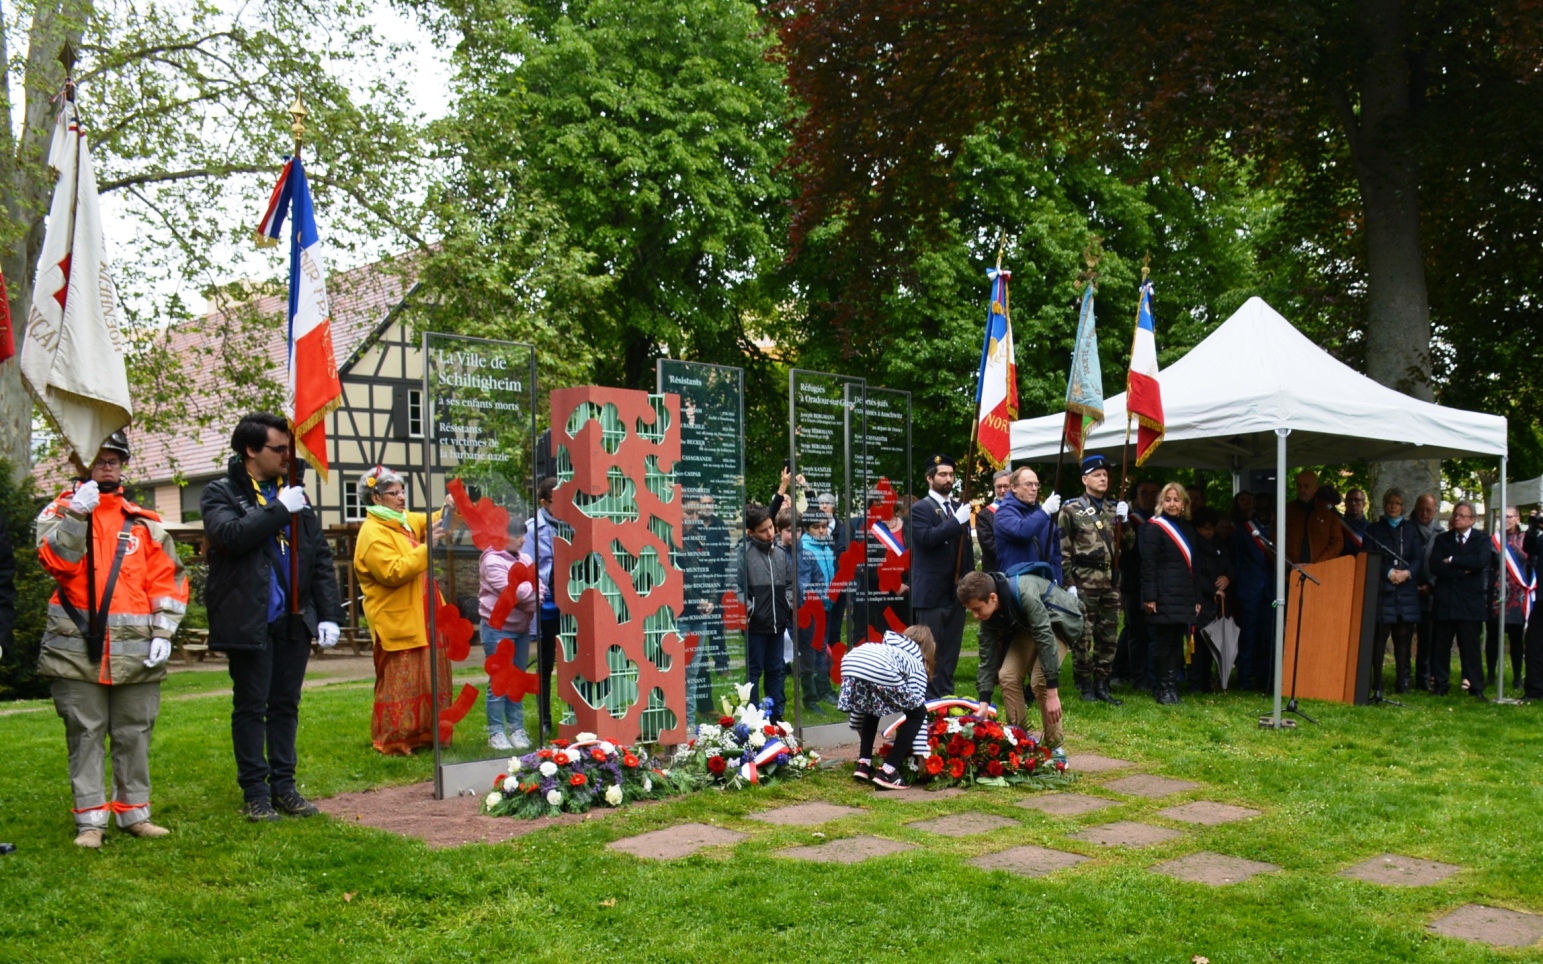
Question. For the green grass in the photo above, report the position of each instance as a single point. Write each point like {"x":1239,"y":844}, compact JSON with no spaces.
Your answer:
{"x":1448,"y":780}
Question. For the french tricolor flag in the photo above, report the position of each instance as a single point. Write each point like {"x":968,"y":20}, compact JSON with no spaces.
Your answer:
{"x":888,"y":537}
{"x":1143,"y":394}
{"x":313,"y":388}
{"x":996,"y":384}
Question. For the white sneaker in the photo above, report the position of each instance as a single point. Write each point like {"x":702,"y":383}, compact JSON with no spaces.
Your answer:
{"x":499,"y":741}
{"x":520,"y":741}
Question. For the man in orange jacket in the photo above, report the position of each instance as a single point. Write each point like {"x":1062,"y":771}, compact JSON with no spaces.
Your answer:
{"x":121,"y":594}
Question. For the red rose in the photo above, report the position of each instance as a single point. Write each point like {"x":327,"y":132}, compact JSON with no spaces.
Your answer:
{"x":578,"y":780}
{"x":725,"y":721}
{"x":993,"y":749}
{"x":716,"y":764}
{"x":562,"y":759}
{"x":629,"y":760}
{"x":994,"y":768}
{"x":934,"y":765}
{"x":597,"y":754}
{"x":956,"y":769}
{"x":955,"y":746}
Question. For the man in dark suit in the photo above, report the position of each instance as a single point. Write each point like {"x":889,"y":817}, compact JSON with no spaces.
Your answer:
{"x":985,"y":521}
{"x":939,"y":523}
{"x":1461,"y":560}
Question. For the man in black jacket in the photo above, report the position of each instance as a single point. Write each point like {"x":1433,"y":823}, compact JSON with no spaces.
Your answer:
{"x":938,"y":525}
{"x":1461,"y":559}
{"x":247,"y":520}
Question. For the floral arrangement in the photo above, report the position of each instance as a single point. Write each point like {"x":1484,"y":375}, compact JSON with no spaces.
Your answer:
{"x":969,"y":748}
{"x":575,"y":777}
{"x":744,"y":747}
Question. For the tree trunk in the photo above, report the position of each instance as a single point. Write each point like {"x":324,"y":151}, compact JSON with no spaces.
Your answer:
{"x":1398,"y":331}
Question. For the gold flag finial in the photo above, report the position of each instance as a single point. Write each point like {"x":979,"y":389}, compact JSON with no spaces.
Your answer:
{"x":1146,"y":267}
{"x":1091,"y":256}
{"x":298,"y":112}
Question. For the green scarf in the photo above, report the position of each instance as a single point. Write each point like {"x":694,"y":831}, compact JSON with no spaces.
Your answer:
{"x":388,"y":515}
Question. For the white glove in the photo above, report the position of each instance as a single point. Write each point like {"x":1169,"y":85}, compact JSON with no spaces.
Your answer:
{"x":1122,"y":509}
{"x":326,"y":634}
{"x":292,"y":497}
{"x":86,"y":496}
{"x":962,"y":514}
{"x":1052,"y":505}
{"x":1072,"y":590}
{"x":160,"y":652}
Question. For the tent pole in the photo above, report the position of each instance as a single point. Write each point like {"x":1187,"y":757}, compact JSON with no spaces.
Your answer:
{"x":1280,"y":563}
{"x":1500,"y":652}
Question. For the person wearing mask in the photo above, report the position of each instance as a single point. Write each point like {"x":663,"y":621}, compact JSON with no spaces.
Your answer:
{"x":538,"y":539}
{"x":1516,"y":563}
{"x":1131,"y":652}
{"x":1171,"y":586}
{"x":120,"y":597}
{"x":1254,"y":594}
{"x":251,"y":600}
{"x":1087,"y":525}
{"x":391,"y":560}
{"x":1424,"y":519}
{"x":763,"y":578}
{"x":1025,"y":529}
{"x":940,"y":553}
{"x":495,"y":567}
{"x":1313,"y":532}
{"x":1461,"y":560}
{"x":1398,"y":578}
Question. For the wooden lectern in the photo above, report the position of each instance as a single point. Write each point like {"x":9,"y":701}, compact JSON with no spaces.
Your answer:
{"x":1338,"y":620}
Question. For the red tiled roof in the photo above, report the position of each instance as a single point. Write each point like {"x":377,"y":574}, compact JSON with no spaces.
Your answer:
{"x":360,"y":299}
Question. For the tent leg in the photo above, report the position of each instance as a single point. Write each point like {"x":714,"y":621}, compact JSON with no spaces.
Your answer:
{"x":1500,"y":657}
{"x":1280,"y":563}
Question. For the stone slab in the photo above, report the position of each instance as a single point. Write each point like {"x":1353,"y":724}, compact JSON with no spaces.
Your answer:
{"x":1491,"y":925}
{"x":1148,"y":785}
{"x":1207,"y":813}
{"x":1396,"y":871}
{"x":848,"y":850}
{"x":964,"y":824}
{"x":1029,"y":861}
{"x":671,"y":843}
{"x":1093,"y":763}
{"x":918,"y":793}
{"x":806,"y":814}
{"x":1066,"y":804}
{"x":1215,"y":869}
{"x":1126,"y":833}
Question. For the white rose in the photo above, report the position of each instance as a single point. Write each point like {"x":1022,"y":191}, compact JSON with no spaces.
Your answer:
{"x":511,"y":784}
{"x":493,"y":800}
{"x":607,"y":747}
{"x":514,"y":764}
{"x":613,"y":795}
{"x":585,"y":738}
{"x":648,"y":785}
{"x":548,"y":768}
{"x":554,"y":797}
{"x":758,"y":739}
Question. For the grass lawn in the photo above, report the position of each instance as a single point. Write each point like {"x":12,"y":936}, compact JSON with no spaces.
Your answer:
{"x":1448,"y":780}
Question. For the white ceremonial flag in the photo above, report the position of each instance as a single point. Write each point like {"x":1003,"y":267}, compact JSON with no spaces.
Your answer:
{"x":72,"y":358}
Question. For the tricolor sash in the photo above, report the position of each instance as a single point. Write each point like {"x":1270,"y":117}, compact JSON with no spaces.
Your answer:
{"x":1350,"y":531}
{"x":1178,"y":539}
{"x":751,"y":769}
{"x":1515,"y":568}
{"x":943,"y":706}
{"x":1259,"y":539}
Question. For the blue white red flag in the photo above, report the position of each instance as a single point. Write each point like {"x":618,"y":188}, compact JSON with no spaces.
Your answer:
{"x":312,"y":387}
{"x":1143,"y":394}
{"x":1085,"y":384}
{"x":888,"y":537}
{"x":996,"y":384}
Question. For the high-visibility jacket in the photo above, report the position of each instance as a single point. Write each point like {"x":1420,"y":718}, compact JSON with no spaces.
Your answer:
{"x":148,"y":601}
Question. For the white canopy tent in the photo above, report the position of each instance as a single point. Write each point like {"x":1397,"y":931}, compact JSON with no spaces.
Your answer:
{"x":1232,"y":401}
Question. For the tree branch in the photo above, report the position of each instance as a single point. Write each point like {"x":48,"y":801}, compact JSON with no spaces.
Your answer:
{"x":112,"y":57}
{"x":166,"y":177}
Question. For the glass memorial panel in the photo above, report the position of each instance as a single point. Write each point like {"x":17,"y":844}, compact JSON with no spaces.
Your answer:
{"x":882,"y":459}
{"x":711,"y":474}
{"x":480,"y":455}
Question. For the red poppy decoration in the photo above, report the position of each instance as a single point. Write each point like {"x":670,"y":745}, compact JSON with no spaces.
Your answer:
{"x":487,"y":520}
{"x":735,"y":618}
{"x":454,"y":631}
{"x":456,"y":712}
{"x":812,"y":614}
{"x":519,"y":575}
{"x":838,"y":652}
{"x":506,"y":679}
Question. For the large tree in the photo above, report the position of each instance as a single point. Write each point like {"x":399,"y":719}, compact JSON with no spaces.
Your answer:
{"x":185,"y":107}
{"x":1389,"y":104}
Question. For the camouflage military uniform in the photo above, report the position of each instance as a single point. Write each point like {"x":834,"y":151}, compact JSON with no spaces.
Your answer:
{"x":1087,"y":550}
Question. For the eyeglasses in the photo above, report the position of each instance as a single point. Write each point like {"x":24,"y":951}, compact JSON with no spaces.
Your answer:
{"x":113,"y":464}
{"x":277,"y":448}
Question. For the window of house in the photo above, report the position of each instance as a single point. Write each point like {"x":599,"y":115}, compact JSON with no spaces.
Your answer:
{"x":415,"y":413}
{"x":352,"y":511}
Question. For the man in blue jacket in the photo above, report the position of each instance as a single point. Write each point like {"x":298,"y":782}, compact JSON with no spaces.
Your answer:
{"x":1025,"y":529}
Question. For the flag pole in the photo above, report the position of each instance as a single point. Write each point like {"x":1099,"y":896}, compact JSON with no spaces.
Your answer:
{"x":969,"y":463}
{"x":1091,"y":255}
{"x":297,"y":111}
{"x":1119,"y":524}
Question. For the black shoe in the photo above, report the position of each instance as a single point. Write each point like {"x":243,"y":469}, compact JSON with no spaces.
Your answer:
{"x":1440,"y":690}
{"x":1403,"y":685}
{"x":260,"y":811}
{"x":1086,"y":689}
{"x":890,"y":780}
{"x":1102,"y":694}
{"x":295,"y":805}
{"x":862,"y":771}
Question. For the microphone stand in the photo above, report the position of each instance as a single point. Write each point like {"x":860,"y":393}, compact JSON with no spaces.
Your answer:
{"x":1303,"y":577}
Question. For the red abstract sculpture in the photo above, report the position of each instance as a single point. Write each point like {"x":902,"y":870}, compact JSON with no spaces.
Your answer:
{"x":614,"y":577}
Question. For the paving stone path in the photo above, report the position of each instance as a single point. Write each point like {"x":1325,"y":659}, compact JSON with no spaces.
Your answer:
{"x":963,"y":824}
{"x":1208,"y":814}
{"x":1205,"y":867}
{"x":1147,"y":785}
{"x":1396,"y":871}
{"x":806,"y":814}
{"x":1029,"y":861}
{"x":1126,"y":833}
{"x":1066,"y":804}
{"x":681,"y":840}
{"x":1491,"y":925}
{"x":848,"y":850}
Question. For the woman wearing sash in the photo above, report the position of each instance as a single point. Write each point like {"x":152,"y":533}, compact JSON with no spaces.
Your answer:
{"x":1171,"y":593}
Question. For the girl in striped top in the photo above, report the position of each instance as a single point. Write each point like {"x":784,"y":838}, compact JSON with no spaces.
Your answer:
{"x":882,"y":678}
